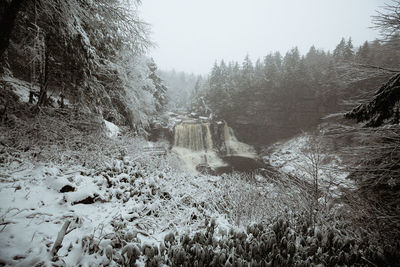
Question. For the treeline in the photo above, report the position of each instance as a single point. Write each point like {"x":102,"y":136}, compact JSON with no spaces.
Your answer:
{"x":281,"y":95}
{"x":92,"y":53}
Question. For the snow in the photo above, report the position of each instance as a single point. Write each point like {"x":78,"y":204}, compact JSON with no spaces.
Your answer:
{"x":293,"y":157}
{"x":20,"y":88}
{"x":146,"y":197}
{"x":195,"y":158}
{"x":134,"y":197}
{"x":112,"y":129}
{"x":237,"y":148}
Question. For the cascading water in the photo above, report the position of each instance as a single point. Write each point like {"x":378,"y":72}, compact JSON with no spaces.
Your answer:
{"x":193,"y":142}
{"x":198,"y":145}
{"x":194,"y":136}
{"x":234,"y":147}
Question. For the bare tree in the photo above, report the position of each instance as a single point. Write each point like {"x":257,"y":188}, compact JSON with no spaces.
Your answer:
{"x":313,"y":157}
{"x":387,"y":21}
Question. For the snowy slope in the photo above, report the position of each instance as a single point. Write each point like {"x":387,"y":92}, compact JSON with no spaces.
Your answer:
{"x":305,"y":155}
{"x":132,"y":201}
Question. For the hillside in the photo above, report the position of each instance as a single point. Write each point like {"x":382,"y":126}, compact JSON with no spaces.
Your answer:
{"x":75,"y":191}
{"x":132,"y":134}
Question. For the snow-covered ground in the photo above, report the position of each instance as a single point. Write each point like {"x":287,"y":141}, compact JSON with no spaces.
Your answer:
{"x":20,"y":88}
{"x":307,"y":156}
{"x":141,"y":197}
{"x":112,"y":129}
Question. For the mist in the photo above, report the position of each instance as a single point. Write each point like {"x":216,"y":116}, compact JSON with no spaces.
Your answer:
{"x":191,"y":35}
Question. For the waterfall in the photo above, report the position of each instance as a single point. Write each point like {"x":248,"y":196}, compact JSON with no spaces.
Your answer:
{"x":194,"y":136}
{"x":193,"y":143}
{"x":235,"y":147}
{"x":198,"y":145}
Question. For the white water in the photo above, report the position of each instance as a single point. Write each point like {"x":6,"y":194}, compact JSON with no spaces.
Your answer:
{"x":235,"y":147}
{"x":193,"y":143}
{"x":194,"y":136}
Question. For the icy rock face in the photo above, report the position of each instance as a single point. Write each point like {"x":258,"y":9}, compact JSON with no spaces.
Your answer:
{"x":205,"y":145}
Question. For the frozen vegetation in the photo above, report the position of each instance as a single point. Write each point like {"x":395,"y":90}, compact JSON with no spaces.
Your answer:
{"x":107,"y":161}
{"x":99,"y":198}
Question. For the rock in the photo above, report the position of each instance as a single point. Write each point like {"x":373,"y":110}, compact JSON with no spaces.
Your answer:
{"x":88,"y":200}
{"x":205,"y":169}
{"x":67,"y":188}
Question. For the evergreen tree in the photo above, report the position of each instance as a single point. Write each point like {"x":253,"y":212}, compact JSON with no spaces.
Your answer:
{"x":312,"y":55}
{"x":363,"y":53}
{"x":224,"y":72}
{"x":90,"y":51}
{"x":259,"y":76}
{"x":272,"y":64}
{"x":316,"y":61}
{"x":390,"y":52}
{"x":348,"y":53}
{"x":247,"y":72}
{"x":376,"y":49}
{"x":198,"y":85}
{"x":283,"y":95}
{"x":338,"y":52}
{"x":158,"y":89}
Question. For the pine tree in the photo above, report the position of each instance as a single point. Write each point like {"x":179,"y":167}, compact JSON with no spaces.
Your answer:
{"x":291,"y":60}
{"x":363,"y":53}
{"x":198,"y":85}
{"x":348,"y":53}
{"x":390,"y":52}
{"x":215,"y":77}
{"x":327,"y":96}
{"x":338,"y":52}
{"x":224,"y":72}
{"x":247,"y":72}
{"x":272,"y":71}
{"x":316,"y":61}
{"x":259,"y":75}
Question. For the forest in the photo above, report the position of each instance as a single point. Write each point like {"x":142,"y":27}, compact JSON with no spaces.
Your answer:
{"x":279,"y":96}
{"x":108,"y":159}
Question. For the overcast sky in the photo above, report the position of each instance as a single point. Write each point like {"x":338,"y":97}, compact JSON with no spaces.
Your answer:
{"x":192,"y":34}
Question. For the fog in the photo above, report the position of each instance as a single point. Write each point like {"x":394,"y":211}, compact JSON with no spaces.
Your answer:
{"x":191,"y":34}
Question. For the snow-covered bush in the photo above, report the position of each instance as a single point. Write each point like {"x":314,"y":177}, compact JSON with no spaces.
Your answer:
{"x":289,"y":240}
{"x":250,"y":198}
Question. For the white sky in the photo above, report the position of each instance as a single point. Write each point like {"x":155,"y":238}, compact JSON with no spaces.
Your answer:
{"x":192,"y":34}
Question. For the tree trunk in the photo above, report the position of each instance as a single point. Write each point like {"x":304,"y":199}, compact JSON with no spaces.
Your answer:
{"x":42,"y":100}
{"x":10,"y":12}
